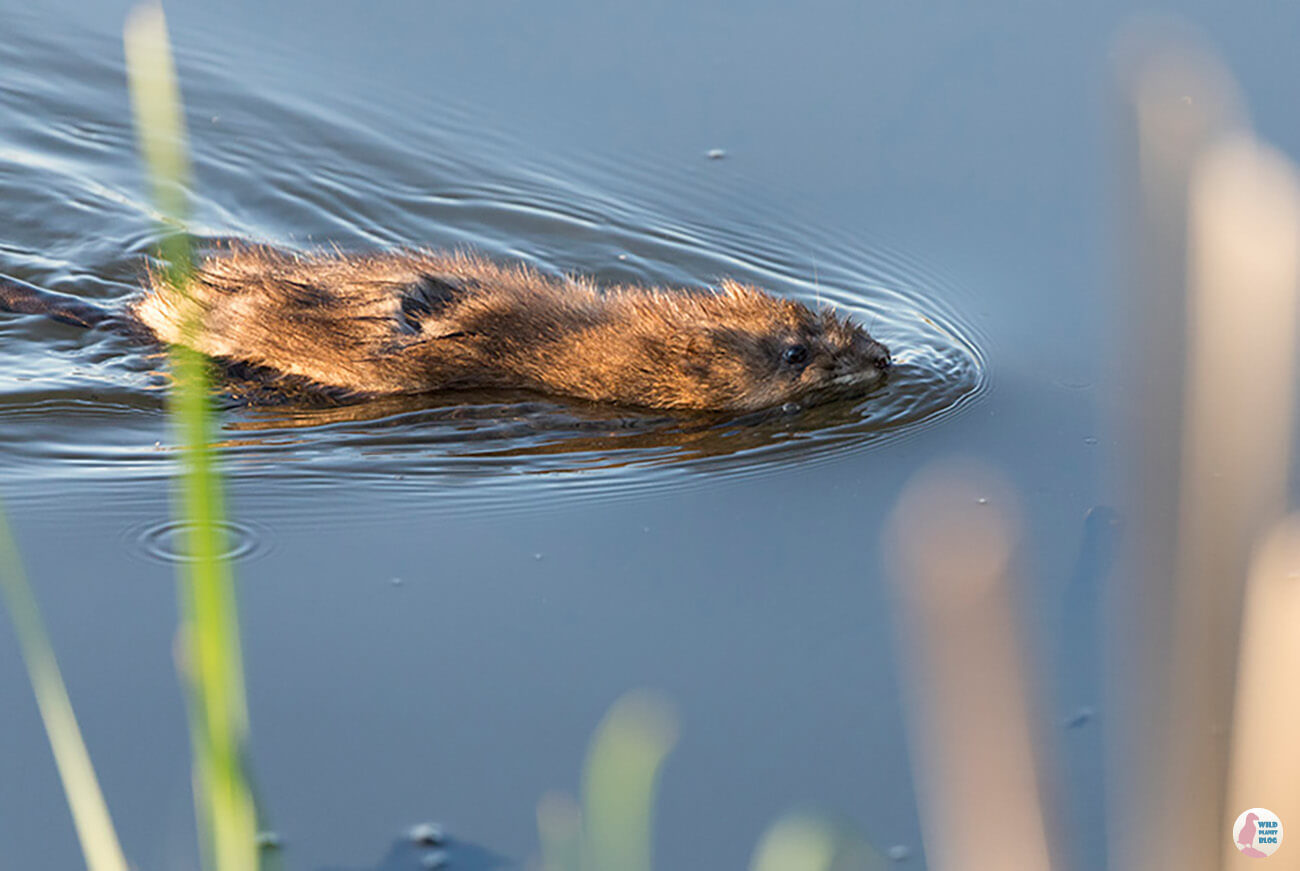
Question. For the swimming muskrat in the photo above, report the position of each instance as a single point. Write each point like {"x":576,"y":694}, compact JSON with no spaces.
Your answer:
{"x":418,"y":321}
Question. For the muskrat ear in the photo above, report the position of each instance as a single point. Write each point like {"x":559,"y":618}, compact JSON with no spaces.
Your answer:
{"x":427,"y":297}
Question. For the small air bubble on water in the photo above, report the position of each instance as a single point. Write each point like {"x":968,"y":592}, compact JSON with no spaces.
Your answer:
{"x":1090,"y":440}
{"x":715,"y":153}
{"x":428,"y":834}
{"x":396,"y":582}
{"x":792,"y":408}
{"x":537,"y":556}
{"x":898,"y":853}
{"x":983,"y":500}
{"x":269,"y":841}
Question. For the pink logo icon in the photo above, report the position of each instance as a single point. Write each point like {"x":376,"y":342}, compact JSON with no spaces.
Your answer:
{"x":1257,"y":833}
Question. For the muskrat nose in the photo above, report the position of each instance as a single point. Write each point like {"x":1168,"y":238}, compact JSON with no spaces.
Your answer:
{"x":880,"y":357}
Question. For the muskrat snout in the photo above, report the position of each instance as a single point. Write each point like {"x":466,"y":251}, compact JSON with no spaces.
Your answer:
{"x":865,"y":356}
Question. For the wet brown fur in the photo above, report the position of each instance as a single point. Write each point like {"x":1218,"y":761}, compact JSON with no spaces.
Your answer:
{"x":417,"y":321}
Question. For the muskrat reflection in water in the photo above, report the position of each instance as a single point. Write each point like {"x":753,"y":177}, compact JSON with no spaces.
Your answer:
{"x":417,"y":321}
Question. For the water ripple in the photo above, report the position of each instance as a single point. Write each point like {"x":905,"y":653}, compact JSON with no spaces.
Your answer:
{"x":268,"y":166}
{"x":166,"y":541}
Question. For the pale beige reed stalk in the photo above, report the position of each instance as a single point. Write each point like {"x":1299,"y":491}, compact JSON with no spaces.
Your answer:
{"x":970,"y":737}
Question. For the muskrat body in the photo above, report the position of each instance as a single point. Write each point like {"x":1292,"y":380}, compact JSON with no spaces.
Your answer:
{"x":418,"y":321}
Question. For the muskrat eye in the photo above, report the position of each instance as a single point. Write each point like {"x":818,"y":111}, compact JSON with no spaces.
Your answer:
{"x":795,"y":355}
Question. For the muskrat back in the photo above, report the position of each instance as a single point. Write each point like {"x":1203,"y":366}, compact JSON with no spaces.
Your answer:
{"x":418,"y":321}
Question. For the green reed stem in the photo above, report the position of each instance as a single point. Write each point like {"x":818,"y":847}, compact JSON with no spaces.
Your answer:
{"x":213,"y":661}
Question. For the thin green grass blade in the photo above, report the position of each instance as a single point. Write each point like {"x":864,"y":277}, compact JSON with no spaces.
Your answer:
{"x":213,"y":663}
{"x":160,"y":129}
{"x":95,"y":830}
{"x":620,"y":782}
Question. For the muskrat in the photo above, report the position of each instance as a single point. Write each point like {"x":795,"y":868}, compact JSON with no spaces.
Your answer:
{"x":414,"y":321}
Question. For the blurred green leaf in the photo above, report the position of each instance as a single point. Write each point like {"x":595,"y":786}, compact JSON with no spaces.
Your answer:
{"x":620,"y":782}
{"x":94,"y":827}
{"x":796,"y":843}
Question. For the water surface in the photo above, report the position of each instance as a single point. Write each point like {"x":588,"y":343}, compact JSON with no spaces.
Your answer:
{"x":441,"y":596}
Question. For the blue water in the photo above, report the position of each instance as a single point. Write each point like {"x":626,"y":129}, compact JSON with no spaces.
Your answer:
{"x":941,"y":172}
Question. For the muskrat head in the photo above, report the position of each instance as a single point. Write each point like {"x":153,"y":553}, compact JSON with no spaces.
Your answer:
{"x":748,"y":350}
